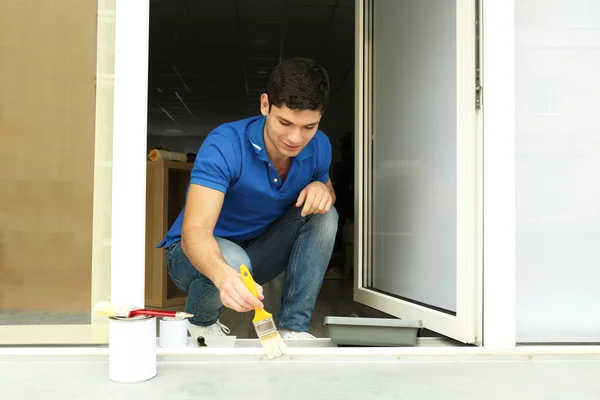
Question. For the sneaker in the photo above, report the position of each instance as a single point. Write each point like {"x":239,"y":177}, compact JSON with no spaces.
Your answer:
{"x":293,"y":335}
{"x":216,"y":329}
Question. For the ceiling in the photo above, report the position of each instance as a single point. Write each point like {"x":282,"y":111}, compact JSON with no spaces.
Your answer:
{"x":209,"y":60}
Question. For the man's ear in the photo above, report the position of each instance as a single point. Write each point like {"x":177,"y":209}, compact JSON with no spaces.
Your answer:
{"x":264,"y":104}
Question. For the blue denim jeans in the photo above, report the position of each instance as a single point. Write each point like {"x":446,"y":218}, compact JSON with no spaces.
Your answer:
{"x":301,"y":246}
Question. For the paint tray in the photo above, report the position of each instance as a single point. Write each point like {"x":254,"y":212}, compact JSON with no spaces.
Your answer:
{"x":358,"y":331}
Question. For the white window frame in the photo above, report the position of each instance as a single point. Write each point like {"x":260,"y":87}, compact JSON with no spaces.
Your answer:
{"x":129,"y":171}
{"x":128,"y":254}
{"x":129,"y":183}
{"x":499,"y":263}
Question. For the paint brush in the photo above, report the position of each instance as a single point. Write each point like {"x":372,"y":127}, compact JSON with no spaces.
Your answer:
{"x":108,"y":309}
{"x":270,"y":339}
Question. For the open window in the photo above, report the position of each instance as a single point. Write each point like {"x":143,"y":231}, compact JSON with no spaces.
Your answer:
{"x":402,"y":122}
{"x":418,"y":200}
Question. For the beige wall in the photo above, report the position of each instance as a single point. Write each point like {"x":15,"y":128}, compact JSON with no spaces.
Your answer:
{"x":47,"y":108}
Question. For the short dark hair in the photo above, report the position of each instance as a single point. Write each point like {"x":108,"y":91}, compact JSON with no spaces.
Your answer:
{"x":300,"y":84}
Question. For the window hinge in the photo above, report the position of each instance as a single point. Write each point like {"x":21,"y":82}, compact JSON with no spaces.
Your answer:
{"x":478,"y":86}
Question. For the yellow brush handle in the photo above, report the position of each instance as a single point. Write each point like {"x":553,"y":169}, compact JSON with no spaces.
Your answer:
{"x":259,"y":313}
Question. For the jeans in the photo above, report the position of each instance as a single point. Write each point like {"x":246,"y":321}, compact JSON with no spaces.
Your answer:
{"x":301,"y":246}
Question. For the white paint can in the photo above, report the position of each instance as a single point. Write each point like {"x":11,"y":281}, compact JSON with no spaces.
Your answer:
{"x":132,"y":349}
{"x":172,"y":333}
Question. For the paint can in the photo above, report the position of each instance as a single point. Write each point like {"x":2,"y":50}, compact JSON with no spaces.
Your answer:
{"x":172,"y":333}
{"x":132,"y":349}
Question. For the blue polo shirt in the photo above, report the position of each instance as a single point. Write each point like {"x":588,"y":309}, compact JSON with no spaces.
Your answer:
{"x":233,"y":159}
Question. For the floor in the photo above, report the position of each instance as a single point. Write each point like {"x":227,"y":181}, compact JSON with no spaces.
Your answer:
{"x":450,"y":378}
{"x":335,"y":299}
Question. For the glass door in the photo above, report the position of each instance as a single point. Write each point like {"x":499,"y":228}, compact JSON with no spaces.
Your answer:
{"x":418,"y":182}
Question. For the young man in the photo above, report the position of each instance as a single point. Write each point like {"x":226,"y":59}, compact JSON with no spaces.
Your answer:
{"x":260,"y":195}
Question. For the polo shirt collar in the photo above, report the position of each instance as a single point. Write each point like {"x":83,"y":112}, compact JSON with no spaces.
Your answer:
{"x":257,"y":140}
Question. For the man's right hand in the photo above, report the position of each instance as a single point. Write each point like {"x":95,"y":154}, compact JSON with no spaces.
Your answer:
{"x":234,"y":294}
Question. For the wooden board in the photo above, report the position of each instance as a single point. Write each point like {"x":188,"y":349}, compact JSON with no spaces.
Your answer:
{"x":47,"y":107}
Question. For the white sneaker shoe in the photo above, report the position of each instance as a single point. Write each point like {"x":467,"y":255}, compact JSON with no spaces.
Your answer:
{"x":216,"y":329}
{"x":293,"y":335}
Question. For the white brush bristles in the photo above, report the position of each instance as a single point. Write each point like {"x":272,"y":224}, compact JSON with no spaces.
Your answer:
{"x":108,"y":309}
{"x":273,"y":345}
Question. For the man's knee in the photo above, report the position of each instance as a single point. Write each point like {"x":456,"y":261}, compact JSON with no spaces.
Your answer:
{"x":326,"y":224}
{"x":233,"y":254}
{"x":180,"y":269}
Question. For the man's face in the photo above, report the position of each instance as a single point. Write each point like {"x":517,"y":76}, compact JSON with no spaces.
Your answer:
{"x":288,"y":131}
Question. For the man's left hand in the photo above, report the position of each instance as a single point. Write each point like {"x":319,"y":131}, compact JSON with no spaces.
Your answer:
{"x":316,"y":197}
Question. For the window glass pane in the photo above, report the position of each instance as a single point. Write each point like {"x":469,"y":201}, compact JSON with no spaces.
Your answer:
{"x":55,"y":167}
{"x":414,"y":154}
{"x":557,"y":163}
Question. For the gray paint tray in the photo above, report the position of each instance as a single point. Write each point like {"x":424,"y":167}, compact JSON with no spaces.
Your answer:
{"x":357,"y":331}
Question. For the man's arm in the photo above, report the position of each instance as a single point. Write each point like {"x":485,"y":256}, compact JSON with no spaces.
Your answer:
{"x":203,"y":207}
{"x":317,"y":197}
{"x":330,"y":187}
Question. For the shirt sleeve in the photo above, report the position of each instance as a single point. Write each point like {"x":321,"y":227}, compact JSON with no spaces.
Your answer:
{"x":216,"y":163}
{"x":323,"y":160}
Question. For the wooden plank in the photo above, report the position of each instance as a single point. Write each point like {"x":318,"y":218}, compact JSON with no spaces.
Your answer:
{"x":47,"y":123}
